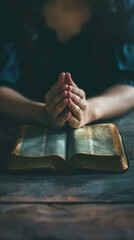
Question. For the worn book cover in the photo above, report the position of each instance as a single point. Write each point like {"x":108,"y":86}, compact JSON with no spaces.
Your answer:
{"x":93,"y":147}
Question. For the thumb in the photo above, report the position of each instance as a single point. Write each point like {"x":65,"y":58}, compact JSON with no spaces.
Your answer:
{"x":68,"y":80}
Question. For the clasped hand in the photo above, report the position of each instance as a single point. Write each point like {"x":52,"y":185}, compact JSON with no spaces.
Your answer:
{"x":66,"y":103}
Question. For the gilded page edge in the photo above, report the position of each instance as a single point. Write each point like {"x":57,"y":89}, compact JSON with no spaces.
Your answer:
{"x":19,"y":140}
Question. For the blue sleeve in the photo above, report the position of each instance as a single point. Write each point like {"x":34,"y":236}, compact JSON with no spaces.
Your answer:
{"x":9,"y":65}
{"x":124,"y":53}
{"x":125,"y":61}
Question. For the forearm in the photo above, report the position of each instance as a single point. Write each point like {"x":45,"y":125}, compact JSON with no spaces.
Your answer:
{"x":115,"y":101}
{"x":16,"y":106}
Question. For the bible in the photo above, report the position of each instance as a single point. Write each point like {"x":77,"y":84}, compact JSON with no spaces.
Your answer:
{"x":96,"y":147}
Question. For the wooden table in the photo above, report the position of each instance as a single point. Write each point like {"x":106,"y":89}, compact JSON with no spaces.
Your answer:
{"x":81,"y":207}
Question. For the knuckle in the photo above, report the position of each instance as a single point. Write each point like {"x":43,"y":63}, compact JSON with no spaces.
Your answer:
{"x":78,"y":110}
{"x":84,"y":106}
{"x":83,"y":94}
{"x":80,"y":100}
{"x":73,"y":123}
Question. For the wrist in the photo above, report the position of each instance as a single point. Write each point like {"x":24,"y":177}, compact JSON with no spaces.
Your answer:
{"x":38,"y":110}
{"x":94,"y":109}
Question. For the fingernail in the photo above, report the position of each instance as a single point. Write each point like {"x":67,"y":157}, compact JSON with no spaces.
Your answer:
{"x":63,"y":73}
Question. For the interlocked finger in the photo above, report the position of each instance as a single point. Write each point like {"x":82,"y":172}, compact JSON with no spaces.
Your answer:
{"x":77,"y":91}
{"x":76,"y":110}
{"x":78,"y":101}
{"x":56,"y":109}
{"x":57,"y":91}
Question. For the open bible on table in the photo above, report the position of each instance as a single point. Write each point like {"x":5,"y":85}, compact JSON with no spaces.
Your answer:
{"x":96,"y":147}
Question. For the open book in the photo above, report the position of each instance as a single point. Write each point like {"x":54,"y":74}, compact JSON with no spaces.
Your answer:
{"x":92,"y":147}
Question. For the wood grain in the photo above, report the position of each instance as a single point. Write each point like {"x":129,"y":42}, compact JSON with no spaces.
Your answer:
{"x":61,"y":222}
{"x":76,"y":188}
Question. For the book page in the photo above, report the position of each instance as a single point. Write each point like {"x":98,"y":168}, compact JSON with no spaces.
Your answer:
{"x":39,"y":141}
{"x":98,"y":139}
